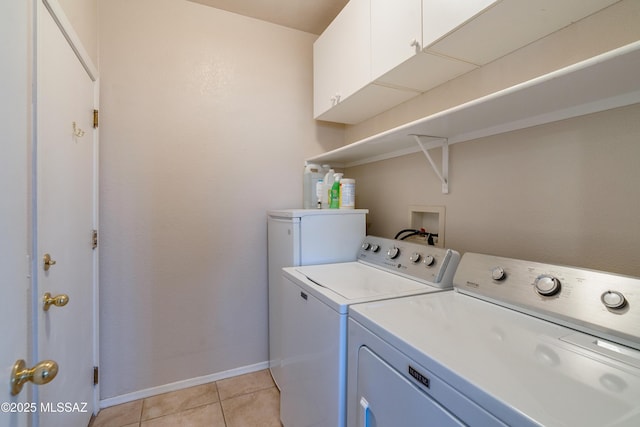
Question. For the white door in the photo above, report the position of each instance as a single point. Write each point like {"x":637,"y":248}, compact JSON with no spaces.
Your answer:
{"x":65,"y":220}
{"x":14,"y":244}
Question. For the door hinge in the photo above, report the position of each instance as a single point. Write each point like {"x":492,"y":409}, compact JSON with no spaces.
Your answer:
{"x":95,"y":375}
{"x":95,"y":119}
{"x":94,"y":239}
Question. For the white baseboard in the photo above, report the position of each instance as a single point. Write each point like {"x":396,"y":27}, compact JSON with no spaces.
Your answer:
{"x":179,"y":385}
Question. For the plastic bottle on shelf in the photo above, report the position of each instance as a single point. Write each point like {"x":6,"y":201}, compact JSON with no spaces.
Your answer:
{"x":335,"y":192}
{"x":326,"y":192}
{"x":312,"y":174}
{"x":347,"y":193}
{"x":319,"y":191}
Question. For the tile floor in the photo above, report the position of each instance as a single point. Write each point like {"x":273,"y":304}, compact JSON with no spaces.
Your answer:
{"x":250,"y":400}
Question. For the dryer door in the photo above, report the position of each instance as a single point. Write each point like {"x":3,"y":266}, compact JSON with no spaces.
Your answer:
{"x":386,"y":398}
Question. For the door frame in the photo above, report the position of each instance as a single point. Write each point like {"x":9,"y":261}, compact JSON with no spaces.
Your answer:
{"x":63,"y":23}
{"x":15,"y":214}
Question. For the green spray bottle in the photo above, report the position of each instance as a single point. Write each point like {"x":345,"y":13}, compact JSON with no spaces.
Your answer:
{"x":335,"y":192}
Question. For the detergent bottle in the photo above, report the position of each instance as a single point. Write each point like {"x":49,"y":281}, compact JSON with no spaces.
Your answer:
{"x":328,"y":183}
{"x":312,"y":174}
{"x":334,"y":202}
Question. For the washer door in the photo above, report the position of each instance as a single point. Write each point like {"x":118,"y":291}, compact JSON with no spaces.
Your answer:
{"x":386,"y":398}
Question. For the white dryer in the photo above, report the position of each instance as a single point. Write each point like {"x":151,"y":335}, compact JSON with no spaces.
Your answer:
{"x":517,"y":343}
{"x":315,"y":305}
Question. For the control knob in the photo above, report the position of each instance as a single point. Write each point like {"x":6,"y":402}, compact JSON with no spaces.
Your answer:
{"x":375,"y":248}
{"x":393,"y":252}
{"x":366,"y":246}
{"x":429,"y":260}
{"x":415,"y":257}
{"x":498,"y":274}
{"x":547,"y":285}
{"x":613,"y":299}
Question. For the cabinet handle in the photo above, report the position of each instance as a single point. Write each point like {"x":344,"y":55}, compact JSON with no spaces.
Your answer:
{"x":415,"y":44}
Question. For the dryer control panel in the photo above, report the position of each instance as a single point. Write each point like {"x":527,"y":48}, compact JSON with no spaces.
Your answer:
{"x":427,"y":264}
{"x":602,"y":304}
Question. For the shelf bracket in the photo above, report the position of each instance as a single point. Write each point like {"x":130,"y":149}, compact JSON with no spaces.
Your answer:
{"x":434,"y":142}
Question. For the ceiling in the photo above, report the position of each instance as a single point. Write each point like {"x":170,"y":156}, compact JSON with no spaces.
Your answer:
{"x":312,"y":16}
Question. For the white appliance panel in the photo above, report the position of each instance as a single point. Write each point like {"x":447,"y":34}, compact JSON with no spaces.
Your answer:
{"x":339,"y":294}
{"x":283,"y":250}
{"x":355,"y":281}
{"x":313,"y":345}
{"x":299,"y":237}
{"x":314,"y":319}
{"x":283,"y":242}
{"x":386,"y":398}
{"x":331,"y":238}
{"x":510,"y":363}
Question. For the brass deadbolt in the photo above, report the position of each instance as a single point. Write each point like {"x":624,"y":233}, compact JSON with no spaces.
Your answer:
{"x":48,"y":262}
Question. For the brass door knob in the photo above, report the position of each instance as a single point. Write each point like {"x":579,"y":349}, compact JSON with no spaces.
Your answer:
{"x":59,"y":300}
{"x":40,"y":374}
{"x":48,"y":262}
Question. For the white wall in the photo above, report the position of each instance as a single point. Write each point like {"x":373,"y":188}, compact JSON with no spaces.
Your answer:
{"x":206,"y":118}
{"x":566,"y":192}
{"x":563,"y":193}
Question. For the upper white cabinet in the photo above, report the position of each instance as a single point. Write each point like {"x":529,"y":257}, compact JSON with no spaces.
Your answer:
{"x":400,"y":31}
{"x":396,"y":33}
{"x":342,"y":70}
{"x":499,"y":27}
{"x":342,"y":60}
{"x":377,"y":54}
{"x":440,"y":17}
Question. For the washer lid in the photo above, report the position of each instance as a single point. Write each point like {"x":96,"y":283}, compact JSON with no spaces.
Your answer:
{"x":356,"y":281}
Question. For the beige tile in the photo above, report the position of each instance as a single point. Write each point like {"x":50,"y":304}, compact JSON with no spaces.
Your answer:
{"x":202,"y":416}
{"x":258,"y":409}
{"x":176,"y":401}
{"x":119,"y":415}
{"x":242,"y":384}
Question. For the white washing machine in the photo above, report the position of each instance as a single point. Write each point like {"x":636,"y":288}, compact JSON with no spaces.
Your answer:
{"x":516,"y":344}
{"x":315,"y":305}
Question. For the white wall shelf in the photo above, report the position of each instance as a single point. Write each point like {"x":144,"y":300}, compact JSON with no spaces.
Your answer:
{"x":600,"y":83}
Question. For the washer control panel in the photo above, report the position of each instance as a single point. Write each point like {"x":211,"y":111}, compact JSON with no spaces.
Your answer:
{"x":599,"y":303}
{"x":427,"y":264}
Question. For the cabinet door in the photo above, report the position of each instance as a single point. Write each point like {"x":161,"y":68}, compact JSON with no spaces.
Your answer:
{"x":396,"y":33}
{"x":439,"y":17}
{"x":503,"y":27}
{"x":342,"y":57}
